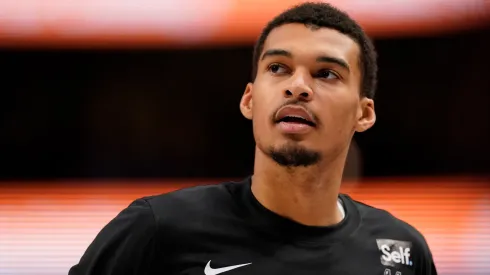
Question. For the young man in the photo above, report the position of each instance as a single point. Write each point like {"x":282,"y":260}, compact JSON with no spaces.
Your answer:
{"x":313,"y":83}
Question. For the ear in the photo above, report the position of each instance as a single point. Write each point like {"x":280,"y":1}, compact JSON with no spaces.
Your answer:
{"x":366,"y":115}
{"x":246,"y":102}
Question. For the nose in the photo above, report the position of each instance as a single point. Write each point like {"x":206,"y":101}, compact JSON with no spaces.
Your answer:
{"x":299,"y":89}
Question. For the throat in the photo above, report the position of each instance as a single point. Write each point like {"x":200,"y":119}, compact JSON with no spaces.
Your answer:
{"x":312,"y":206}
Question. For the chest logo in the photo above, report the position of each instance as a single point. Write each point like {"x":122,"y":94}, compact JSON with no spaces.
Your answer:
{"x":395,"y":253}
{"x":208,"y":270}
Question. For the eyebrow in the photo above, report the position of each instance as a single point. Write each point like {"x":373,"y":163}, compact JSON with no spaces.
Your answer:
{"x":323,"y":59}
{"x":338,"y":61}
{"x":276,"y":52}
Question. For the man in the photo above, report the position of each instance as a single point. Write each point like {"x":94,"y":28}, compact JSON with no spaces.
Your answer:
{"x":313,"y":83}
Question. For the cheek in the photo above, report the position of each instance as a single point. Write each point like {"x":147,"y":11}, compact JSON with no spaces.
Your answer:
{"x":261,"y":119}
{"x":341,"y":116}
{"x":260,"y":116}
{"x":263,"y":107}
{"x":262,"y":131}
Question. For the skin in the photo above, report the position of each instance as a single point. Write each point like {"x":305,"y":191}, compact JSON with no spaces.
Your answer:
{"x":301,"y":65}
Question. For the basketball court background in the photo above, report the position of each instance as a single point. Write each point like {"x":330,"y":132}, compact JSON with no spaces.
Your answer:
{"x":45,"y":228}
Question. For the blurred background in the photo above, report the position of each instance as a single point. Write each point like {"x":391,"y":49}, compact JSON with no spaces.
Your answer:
{"x":105,"y":101}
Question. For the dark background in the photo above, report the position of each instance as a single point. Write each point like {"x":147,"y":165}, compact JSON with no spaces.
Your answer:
{"x":174,"y":113}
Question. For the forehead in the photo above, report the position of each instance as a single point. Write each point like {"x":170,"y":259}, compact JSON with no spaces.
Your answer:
{"x":304,"y":41}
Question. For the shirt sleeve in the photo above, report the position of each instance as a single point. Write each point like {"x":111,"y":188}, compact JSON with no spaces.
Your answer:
{"x":430,"y":267}
{"x":126,"y":245}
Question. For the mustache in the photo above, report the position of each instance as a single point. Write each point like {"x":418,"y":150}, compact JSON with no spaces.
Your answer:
{"x":294,"y":102}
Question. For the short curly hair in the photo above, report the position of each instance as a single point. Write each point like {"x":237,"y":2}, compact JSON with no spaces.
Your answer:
{"x":323,"y":15}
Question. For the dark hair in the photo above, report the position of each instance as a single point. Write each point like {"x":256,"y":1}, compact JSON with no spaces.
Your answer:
{"x":322,"y":15}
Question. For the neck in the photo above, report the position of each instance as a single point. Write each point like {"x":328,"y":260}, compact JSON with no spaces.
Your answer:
{"x":307,"y":195}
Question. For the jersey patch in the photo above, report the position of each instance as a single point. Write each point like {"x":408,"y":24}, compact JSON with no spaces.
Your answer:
{"x":395,"y":253}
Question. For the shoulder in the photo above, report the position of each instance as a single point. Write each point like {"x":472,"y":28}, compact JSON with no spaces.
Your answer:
{"x":188,"y":198}
{"x":381,"y":221}
{"x":393,"y":234}
{"x":192,"y":206}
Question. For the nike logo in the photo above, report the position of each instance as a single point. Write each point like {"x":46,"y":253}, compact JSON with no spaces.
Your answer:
{"x":214,"y":271}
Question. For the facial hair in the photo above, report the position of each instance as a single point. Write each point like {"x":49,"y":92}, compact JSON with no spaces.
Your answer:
{"x":293,"y":155}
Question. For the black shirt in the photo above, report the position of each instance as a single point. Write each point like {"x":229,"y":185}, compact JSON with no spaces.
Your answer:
{"x":216,"y":229}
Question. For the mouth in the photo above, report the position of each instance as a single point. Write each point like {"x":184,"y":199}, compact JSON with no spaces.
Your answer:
{"x":296,"y":120}
{"x":295,"y":115}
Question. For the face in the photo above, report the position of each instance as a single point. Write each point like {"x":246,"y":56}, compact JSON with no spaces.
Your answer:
{"x":305,"y":102}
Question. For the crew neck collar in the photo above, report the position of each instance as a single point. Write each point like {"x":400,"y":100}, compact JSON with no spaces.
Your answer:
{"x":293,"y":231}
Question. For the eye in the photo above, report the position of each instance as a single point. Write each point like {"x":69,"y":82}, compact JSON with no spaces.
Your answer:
{"x":327,"y":74}
{"x":277,"y":69}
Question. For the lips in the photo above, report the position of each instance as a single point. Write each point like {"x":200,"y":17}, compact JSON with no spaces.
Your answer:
{"x":295,"y":114}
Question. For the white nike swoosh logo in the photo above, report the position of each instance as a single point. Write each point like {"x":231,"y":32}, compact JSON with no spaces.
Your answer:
{"x":214,"y":271}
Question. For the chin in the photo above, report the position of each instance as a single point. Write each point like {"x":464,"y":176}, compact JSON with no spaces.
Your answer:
{"x":294,"y":154}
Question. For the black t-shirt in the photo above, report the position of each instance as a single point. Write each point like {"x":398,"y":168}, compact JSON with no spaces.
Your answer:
{"x":223,"y":229}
